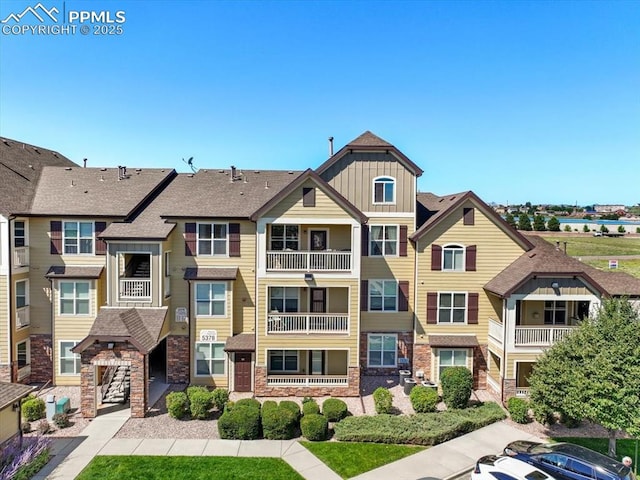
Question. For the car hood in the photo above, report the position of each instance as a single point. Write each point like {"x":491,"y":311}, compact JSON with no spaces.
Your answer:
{"x":522,"y":446}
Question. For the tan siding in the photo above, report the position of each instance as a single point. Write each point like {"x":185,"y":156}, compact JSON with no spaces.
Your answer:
{"x":336,"y":362}
{"x":291,"y":206}
{"x":512,"y":358}
{"x":9,"y":423}
{"x":4,"y":321}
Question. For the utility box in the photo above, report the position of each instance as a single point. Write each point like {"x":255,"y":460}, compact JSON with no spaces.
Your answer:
{"x":404,"y":374}
{"x":63,"y":405}
{"x":409,"y":383}
{"x":50,"y":405}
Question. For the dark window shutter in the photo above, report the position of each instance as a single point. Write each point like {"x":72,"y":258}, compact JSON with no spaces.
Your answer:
{"x":432,"y":308}
{"x":469,"y":216}
{"x":403,"y":240}
{"x":470,"y":260}
{"x":472,"y":309}
{"x":56,"y":237}
{"x":364,"y":295}
{"x":365,"y":240}
{"x":308,"y":197}
{"x":190,"y":239}
{"x":234,"y":239}
{"x":403,"y":296}
{"x":436,"y":257}
{"x":101,"y":245}
{"x":378,"y":192}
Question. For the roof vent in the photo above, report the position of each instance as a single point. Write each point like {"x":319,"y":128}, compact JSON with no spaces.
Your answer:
{"x":6,"y":142}
{"x":102,"y":178}
{"x":266,"y":184}
{"x":68,"y":169}
{"x":103,"y":169}
{"x":84,"y":160}
{"x":290,"y":172}
{"x":36,"y":150}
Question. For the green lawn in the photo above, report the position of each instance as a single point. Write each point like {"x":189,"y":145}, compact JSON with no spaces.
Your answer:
{"x":624,"y":447}
{"x":192,"y":468}
{"x":350,"y":459}
{"x":596,"y":246}
{"x":632,"y":266}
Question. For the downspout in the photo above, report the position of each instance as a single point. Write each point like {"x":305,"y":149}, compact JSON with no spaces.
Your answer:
{"x":189,"y":324}
{"x":53,"y":329}
{"x":11,"y":306}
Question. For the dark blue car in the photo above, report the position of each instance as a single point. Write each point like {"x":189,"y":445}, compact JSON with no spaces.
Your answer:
{"x":568,"y":461}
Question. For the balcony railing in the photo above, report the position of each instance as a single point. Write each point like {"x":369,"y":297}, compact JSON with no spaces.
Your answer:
{"x":522,"y":392}
{"x":309,"y":261}
{"x":308,"y":380}
{"x":22,"y":317}
{"x":21,"y":257}
{"x":540,"y":336}
{"x":135,"y":288}
{"x":495,"y":330}
{"x":307,"y":323}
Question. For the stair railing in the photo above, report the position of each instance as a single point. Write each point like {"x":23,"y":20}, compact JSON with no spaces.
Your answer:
{"x":106,"y":379}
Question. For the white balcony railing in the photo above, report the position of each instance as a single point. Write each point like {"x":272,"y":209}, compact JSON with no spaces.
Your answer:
{"x":23,"y":317}
{"x":309,"y":261}
{"x":540,"y":336}
{"x":135,"y":288}
{"x":307,"y":323}
{"x":308,"y":381}
{"x":495,"y":331}
{"x":522,"y":392}
{"x":21,"y":257}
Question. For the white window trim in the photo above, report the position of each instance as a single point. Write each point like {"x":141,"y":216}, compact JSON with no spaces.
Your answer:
{"x":25,"y":236}
{"x":326,"y":230}
{"x":284,"y":363}
{"x":78,"y":238}
{"x":383,"y":296}
{"x":60,"y":282}
{"x":284,"y":237}
{"x":212,"y":240}
{"x":381,"y":179}
{"x":209,"y":375}
{"x":468,"y":355}
{"x":395,"y":335}
{"x":451,"y":247}
{"x":466,"y":309}
{"x":283,"y":298}
{"x":384,"y":227}
{"x":26,"y":293}
{"x":195,"y":298}
{"x":60,"y":357}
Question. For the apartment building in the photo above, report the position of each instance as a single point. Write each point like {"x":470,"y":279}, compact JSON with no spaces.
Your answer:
{"x":282,"y":282}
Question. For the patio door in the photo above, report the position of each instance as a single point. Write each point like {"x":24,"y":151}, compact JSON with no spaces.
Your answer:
{"x":318,"y":300}
{"x":318,"y":239}
{"x":316,"y":361}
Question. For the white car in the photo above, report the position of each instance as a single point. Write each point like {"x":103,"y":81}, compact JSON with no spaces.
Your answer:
{"x":494,"y":467}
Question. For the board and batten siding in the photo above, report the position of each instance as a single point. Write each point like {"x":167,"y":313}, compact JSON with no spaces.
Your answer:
{"x":495,"y":250}
{"x":116,"y":266}
{"x":293,"y":206}
{"x":353,"y":174}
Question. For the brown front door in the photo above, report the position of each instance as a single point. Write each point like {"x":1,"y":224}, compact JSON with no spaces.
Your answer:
{"x":242,"y":378}
{"x":319,"y":300}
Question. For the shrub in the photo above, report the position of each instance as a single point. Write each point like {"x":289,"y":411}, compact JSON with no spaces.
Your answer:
{"x":315,"y":427}
{"x":383,"y":400}
{"x":279,"y":423}
{"x":518,"y":409}
{"x":424,"y":399}
{"x":195,"y":389}
{"x":291,"y":406}
{"x":33,"y":409}
{"x":199,"y":403}
{"x":219,"y":398}
{"x":543,"y":414}
{"x":569,"y":422}
{"x":44,"y":427}
{"x":61,"y":420}
{"x":269,"y":405}
{"x":22,"y":462}
{"x":457,"y":385}
{"x":240,"y":422}
{"x":309,"y":406}
{"x":25,"y":427}
{"x":334,"y":409}
{"x":177,"y":404}
{"x":248,"y":402}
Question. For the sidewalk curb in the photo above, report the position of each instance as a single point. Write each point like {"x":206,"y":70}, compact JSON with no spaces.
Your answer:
{"x":459,"y":473}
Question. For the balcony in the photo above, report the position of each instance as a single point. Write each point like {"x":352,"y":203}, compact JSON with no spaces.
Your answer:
{"x":21,"y":257}
{"x":307,"y":381}
{"x":23,"y":317}
{"x":135,"y":289}
{"x":540,"y":336}
{"x":307,"y":323}
{"x":309,"y":261}
{"x":495,"y":331}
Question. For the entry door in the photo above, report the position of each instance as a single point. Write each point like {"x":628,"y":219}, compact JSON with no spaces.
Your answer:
{"x":318,"y":239}
{"x":242,"y":376}
{"x":318,"y":300}
{"x":317,"y":362}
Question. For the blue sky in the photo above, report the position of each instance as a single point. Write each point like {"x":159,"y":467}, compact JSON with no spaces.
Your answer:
{"x":517,"y":101}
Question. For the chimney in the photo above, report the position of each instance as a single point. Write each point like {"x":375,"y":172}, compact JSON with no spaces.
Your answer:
{"x":84,"y":160}
{"x":331,"y":146}
{"x":233,"y":173}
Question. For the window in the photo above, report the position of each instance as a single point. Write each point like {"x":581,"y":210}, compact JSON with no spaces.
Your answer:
{"x":382,"y":350}
{"x":452,"y":307}
{"x":69,"y":361}
{"x":384,"y":190}
{"x":19,"y":234}
{"x":453,"y":258}
{"x":78,"y":237}
{"x":210,"y":358}
{"x":212,"y":239}
{"x":283,"y":299}
{"x":74,"y":298}
{"x":555,"y":312}
{"x":22,"y":351}
{"x":284,"y":237}
{"x":211,"y":299}
{"x":22,"y":294}
{"x":383,"y":240}
{"x":451,"y":358}
{"x":383,"y":295}
{"x":283,"y":361}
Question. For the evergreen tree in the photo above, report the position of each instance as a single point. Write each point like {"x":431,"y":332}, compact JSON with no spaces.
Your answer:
{"x":553,"y":225}
{"x":524,"y":222}
{"x":538,"y":223}
{"x":510,"y":220}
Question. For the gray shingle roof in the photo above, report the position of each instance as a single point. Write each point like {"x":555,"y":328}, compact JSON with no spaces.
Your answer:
{"x":453,"y":341}
{"x":74,"y":271}
{"x":20,"y":168}
{"x":211,"y":273}
{"x":11,"y":392}
{"x":243,"y":342}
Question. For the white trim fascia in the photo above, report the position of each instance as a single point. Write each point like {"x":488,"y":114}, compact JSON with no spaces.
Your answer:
{"x":373,"y":215}
{"x":308,"y":221}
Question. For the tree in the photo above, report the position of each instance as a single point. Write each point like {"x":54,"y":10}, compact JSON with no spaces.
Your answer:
{"x":585,"y":228}
{"x":538,"y":223}
{"x":594,"y":373}
{"x":554,"y":225}
{"x":567,"y":228}
{"x":510,"y":220}
{"x":621,"y":229}
{"x":524,"y":222}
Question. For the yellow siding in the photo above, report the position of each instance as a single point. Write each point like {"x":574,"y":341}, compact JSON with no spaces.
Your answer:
{"x":291,"y":206}
{"x":9,"y":423}
{"x":4,"y":321}
{"x":336,"y":362}
{"x":512,"y":358}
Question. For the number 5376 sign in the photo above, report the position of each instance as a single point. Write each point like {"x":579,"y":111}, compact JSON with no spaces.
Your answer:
{"x":208,"y":335}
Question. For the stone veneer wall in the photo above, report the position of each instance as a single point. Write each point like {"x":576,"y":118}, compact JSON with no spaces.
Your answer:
{"x":178,"y":359}
{"x":422,"y":361}
{"x":405,"y":349}
{"x":508,"y":389}
{"x":262,"y":390}
{"x":41,"y":358}
{"x":121,"y":354}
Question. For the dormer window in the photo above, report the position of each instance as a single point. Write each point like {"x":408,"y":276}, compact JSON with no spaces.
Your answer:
{"x":384,"y":190}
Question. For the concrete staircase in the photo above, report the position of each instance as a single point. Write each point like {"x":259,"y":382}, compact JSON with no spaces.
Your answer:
{"x":119,"y":386}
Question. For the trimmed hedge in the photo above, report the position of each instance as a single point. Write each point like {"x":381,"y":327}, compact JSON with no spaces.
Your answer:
{"x":310,"y":406}
{"x":457,"y":385}
{"x":518,"y":409}
{"x":334,"y":409}
{"x":423,"y":399}
{"x":383,"y":400}
{"x":177,"y":404}
{"x":219,"y":398}
{"x":291,"y":406}
{"x":315,"y":427}
{"x":246,"y":402}
{"x":199,"y":402}
{"x":420,"y":429}
{"x":279,"y":422}
{"x":33,"y":409}
{"x":240,"y":421}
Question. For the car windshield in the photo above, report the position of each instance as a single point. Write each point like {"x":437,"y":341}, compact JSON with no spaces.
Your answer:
{"x":536,"y":475}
